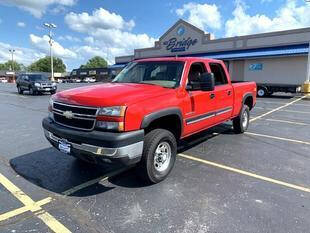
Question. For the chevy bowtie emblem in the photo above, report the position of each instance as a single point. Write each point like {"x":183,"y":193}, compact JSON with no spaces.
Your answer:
{"x":68,"y":114}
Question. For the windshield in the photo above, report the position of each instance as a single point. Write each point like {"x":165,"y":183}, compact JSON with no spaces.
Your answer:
{"x":166,"y":74}
{"x":37,"y":77}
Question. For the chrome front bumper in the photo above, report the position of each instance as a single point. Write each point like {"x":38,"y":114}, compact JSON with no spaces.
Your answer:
{"x":130,"y":152}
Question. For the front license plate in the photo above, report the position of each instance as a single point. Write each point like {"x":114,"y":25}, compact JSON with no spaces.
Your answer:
{"x":47,"y":89}
{"x":64,"y":147}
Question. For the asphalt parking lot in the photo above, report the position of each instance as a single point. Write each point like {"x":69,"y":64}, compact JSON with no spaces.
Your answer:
{"x":222,"y":182}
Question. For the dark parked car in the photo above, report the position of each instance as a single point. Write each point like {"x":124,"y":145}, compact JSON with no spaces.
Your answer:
{"x":35,"y":84}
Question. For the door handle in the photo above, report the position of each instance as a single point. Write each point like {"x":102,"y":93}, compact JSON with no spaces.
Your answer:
{"x":228,"y":92}
{"x":212,"y":95}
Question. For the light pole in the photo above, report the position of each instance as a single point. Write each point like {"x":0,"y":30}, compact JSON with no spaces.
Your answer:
{"x":308,"y":70}
{"x":51,"y":26}
{"x":12,"y":51}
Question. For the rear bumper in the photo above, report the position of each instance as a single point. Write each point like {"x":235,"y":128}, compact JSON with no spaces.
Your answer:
{"x":96,"y":146}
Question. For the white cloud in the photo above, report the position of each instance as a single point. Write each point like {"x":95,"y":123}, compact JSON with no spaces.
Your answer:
{"x":21,"y":55}
{"x":21,"y":24}
{"x":69,"y":38}
{"x":203,"y":16}
{"x":289,"y":16}
{"x":100,"y":19}
{"x":108,"y":34}
{"x":36,"y":7}
{"x":42,"y":44}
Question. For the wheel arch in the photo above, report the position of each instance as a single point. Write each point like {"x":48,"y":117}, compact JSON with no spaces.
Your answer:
{"x":170,"y":119}
{"x":248,"y":100}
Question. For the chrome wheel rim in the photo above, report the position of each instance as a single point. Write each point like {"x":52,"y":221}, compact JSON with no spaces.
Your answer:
{"x":261,"y":92}
{"x":245,"y":119}
{"x":162,"y":156}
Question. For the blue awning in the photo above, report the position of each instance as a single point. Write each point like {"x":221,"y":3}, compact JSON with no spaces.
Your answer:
{"x":262,"y":52}
{"x":116,"y":66}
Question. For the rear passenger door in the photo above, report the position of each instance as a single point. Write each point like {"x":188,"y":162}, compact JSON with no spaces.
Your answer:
{"x":223,"y":93}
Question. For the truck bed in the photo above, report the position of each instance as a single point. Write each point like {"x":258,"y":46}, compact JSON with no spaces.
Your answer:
{"x":242,"y":88}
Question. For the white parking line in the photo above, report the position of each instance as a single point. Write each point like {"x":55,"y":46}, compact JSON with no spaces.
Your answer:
{"x":287,"y":122}
{"x":274,"y":102}
{"x":277,"y":109}
{"x":287,"y":110}
{"x":278,"y":138}
{"x":8,"y":94}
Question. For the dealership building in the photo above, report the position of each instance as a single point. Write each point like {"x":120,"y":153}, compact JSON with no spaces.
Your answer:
{"x":278,"y":56}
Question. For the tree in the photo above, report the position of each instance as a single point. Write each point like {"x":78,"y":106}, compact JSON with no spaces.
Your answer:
{"x":9,"y":65}
{"x":44,"y":65}
{"x":95,"y":62}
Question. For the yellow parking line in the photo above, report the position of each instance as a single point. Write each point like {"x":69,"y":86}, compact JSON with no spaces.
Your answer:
{"x":94,"y":181}
{"x":250,"y":174}
{"x":24,"y":209}
{"x":48,"y":219}
{"x":36,"y":205}
{"x":288,"y":122}
{"x":278,"y":138}
{"x":277,"y":109}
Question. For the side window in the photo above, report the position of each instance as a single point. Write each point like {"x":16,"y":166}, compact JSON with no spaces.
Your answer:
{"x":219,"y":74}
{"x":195,"y":71}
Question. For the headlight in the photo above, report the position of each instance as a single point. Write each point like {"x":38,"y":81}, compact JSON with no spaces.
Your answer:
{"x":50,"y":105}
{"x":54,"y":84}
{"x":111,"y":126}
{"x":37,"y":85}
{"x":112,"y":111}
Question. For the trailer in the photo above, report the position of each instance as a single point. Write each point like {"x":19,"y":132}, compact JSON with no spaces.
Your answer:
{"x":274,"y":74}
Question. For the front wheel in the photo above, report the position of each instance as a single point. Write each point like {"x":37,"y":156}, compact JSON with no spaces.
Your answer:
{"x":19,"y":90}
{"x":31,"y":91}
{"x":241,"y":123}
{"x":159,"y":155}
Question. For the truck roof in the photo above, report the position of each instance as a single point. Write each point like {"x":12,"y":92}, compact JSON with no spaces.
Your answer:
{"x":184,"y":59}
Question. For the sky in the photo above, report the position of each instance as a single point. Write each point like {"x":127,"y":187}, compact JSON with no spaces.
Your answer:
{"x":109,"y":28}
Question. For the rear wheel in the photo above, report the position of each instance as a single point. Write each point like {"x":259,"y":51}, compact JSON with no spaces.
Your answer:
{"x":159,"y":155}
{"x":241,"y":123}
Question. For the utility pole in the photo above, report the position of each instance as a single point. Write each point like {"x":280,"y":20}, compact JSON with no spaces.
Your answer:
{"x":51,"y":26}
{"x":12,"y":51}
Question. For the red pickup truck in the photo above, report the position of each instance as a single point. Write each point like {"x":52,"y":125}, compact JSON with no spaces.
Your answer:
{"x":141,"y":115}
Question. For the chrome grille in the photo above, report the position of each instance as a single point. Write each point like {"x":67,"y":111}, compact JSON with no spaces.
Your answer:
{"x":74,"y":116}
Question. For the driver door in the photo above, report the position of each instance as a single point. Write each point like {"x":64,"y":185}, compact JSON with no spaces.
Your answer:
{"x":200,"y":105}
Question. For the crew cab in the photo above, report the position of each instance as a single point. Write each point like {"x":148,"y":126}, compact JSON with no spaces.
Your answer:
{"x":140,"y":116}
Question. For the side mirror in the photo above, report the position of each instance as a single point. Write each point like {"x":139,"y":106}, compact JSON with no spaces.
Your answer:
{"x":205,"y":83}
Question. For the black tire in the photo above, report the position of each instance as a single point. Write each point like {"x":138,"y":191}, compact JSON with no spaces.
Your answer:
{"x":53,"y":92}
{"x":262,"y":91}
{"x":240,"y":124}
{"x":146,"y":167}
{"x":31,"y":91}
{"x":19,"y":90}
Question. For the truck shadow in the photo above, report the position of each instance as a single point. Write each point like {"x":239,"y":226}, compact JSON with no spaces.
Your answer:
{"x":55,"y":172}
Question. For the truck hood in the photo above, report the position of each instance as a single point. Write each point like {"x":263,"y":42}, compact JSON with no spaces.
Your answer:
{"x":111,"y":94}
